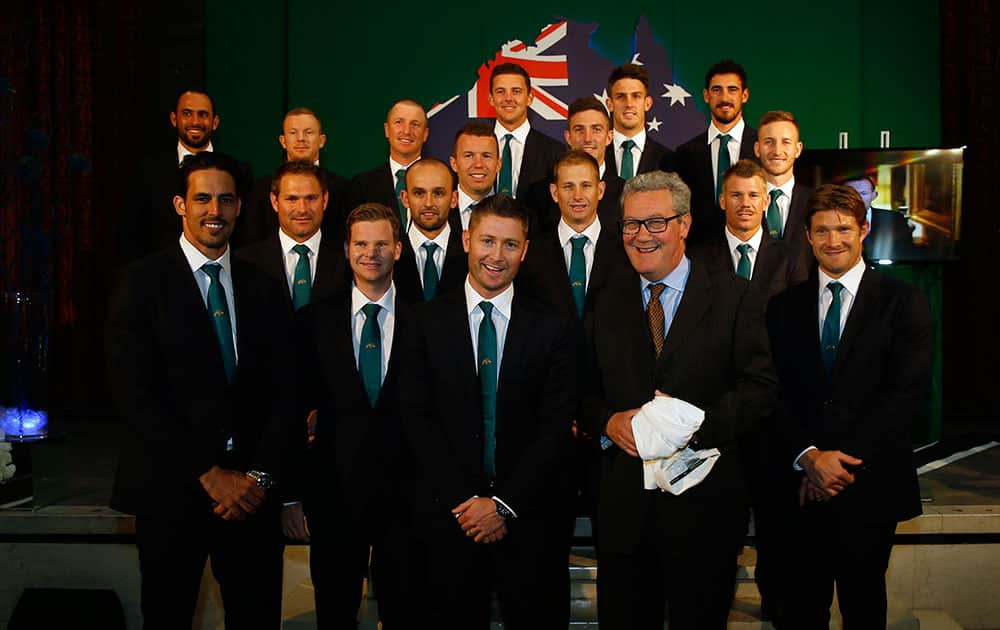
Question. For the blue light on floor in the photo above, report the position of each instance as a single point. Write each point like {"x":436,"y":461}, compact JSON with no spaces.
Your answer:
{"x":17,"y":423}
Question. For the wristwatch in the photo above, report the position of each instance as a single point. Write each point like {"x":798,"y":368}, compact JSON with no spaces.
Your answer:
{"x":264,"y":481}
{"x":504,"y":511}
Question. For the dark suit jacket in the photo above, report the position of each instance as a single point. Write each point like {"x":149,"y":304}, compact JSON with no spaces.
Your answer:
{"x":407,"y":273}
{"x":377,"y":185}
{"x":795,"y":228}
{"x":258,"y":220}
{"x":774,"y":270}
{"x":716,"y":357}
{"x":332,"y":272}
{"x":878,"y":387}
{"x":540,"y":153}
{"x":693,"y":162}
{"x":442,"y":413}
{"x":169,"y":385}
{"x":358,"y":454}
{"x":654,"y":156}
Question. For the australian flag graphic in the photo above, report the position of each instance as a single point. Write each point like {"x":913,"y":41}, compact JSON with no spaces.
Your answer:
{"x":563,"y":67}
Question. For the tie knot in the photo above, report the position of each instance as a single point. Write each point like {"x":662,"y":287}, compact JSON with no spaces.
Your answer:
{"x":301,"y":249}
{"x":400,"y":174}
{"x":628,"y":144}
{"x":743,"y":248}
{"x":370,"y":310}
{"x":430,"y":247}
{"x":508,"y":137}
{"x":835,"y":288}
{"x":578,"y":242}
{"x":655,"y":290}
{"x":212,"y":269}
{"x":775,"y":193}
{"x":486,"y":308}
{"x":724,"y":139}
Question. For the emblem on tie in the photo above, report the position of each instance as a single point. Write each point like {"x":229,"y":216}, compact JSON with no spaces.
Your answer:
{"x":301,"y":281}
{"x":219,"y":313}
{"x":487,"y":361}
{"x":577,"y":283}
{"x":370,"y":346}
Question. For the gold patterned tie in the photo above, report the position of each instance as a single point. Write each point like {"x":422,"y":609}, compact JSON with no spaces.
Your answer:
{"x":654,"y":314}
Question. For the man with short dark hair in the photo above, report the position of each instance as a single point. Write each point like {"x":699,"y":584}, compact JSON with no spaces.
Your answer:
{"x":301,"y":139}
{"x":632,"y":151}
{"x":475,"y":158}
{"x":433,"y":261}
{"x":192,"y":339}
{"x":487,"y":407}
{"x":526,"y":155}
{"x":671,"y":335}
{"x":853,"y":348}
{"x":703,"y":159}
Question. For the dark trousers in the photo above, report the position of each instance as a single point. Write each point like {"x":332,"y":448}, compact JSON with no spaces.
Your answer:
{"x":832,"y":549}
{"x":246,"y":560}
{"x":528,"y":568}
{"x":693,"y":580}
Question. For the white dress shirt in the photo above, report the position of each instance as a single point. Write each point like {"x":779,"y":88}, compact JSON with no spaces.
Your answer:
{"x":516,"y":149}
{"x":670,"y":298}
{"x":417,"y":240}
{"x":386,"y":322}
{"x":195,"y":260}
{"x":566,"y":234}
{"x":291,"y":258}
{"x":465,"y":203}
{"x":784,"y":201}
{"x":182,"y":151}
{"x":735,"y":138}
{"x":501,"y":319}
{"x":753,"y":242}
{"x":640,"y":145}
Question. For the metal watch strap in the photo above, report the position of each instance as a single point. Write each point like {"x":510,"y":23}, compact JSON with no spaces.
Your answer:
{"x":263,"y":480}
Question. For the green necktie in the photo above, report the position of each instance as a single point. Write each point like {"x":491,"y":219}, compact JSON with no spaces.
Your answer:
{"x":218,"y":308}
{"x":400,"y":187}
{"x":506,"y":185}
{"x":723,"y":164}
{"x":430,"y":271}
{"x":578,"y":273}
{"x":831,"y":328}
{"x":628,"y":166}
{"x":370,"y":353}
{"x":743,"y":265}
{"x":302,"y":280}
{"x":774,"y":214}
{"x":488,"y":385}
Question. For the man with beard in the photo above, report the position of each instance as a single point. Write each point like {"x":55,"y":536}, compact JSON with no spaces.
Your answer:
{"x":475,"y":159}
{"x":778,"y":146}
{"x":406,"y":130}
{"x":433,"y":261}
{"x":301,"y":139}
{"x":152,"y":223}
{"x":702,"y":160}
{"x":632,"y":151}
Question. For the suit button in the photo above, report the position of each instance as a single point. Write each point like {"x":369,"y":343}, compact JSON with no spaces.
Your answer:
{"x":827,"y":403}
{"x":477,"y":436}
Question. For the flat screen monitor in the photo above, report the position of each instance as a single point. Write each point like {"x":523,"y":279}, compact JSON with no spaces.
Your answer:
{"x":914,"y":197}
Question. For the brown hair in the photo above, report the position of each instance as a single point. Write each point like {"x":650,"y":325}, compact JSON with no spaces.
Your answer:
{"x":839,"y":198}
{"x":374,"y":212}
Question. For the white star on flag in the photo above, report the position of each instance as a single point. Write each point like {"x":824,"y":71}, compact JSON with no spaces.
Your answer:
{"x":675,"y":93}
{"x":654,"y":125}
{"x":603,"y":97}
{"x":635,"y":60}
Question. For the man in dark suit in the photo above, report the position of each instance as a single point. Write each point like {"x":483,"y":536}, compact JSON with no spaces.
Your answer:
{"x":745,"y":246}
{"x":777,"y":147}
{"x":433,"y":261}
{"x":487,"y":406}
{"x":475,"y":159}
{"x":356,"y":496}
{"x":628,"y":102}
{"x":588,"y":128}
{"x":205,"y":423}
{"x":671,"y":328}
{"x":699,"y":161}
{"x":301,"y":139}
{"x":298,"y":254}
{"x":853,"y":349}
{"x":406,"y":130}
{"x":526,"y":155}
{"x":151,"y":222}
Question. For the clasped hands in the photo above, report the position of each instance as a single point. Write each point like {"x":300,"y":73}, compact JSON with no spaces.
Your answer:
{"x":619,"y":428}
{"x":479,"y":519}
{"x":826,"y":475}
{"x":235,"y":495}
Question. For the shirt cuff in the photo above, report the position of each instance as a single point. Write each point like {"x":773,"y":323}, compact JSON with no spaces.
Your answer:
{"x":290,"y":503}
{"x":795,"y":464}
{"x":501,"y":502}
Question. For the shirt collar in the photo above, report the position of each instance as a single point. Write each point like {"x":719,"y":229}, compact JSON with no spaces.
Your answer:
{"x":850,"y":280}
{"x":676,"y":279}
{"x":464,"y":200}
{"x":566,"y":232}
{"x":287,"y":242}
{"x":182,"y":151}
{"x":520,"y":134}
{"x":736,"y":133}
{"x":500,"y":303}
{"x":359,"y":299}
{"x":753,"y":241}
{"x":639,"y":139}
{"x":394,"y":166}
{"x":196,"y":259}
{"x":785,"y":188}
{"x":417,"y":238}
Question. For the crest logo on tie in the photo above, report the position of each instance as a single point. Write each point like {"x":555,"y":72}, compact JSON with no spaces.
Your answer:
{"x":369,"y":346}
{"x":219,"y":313}
{"x":301,"y":281}
{"x":487,"y":362}
{"x":577,"y":283}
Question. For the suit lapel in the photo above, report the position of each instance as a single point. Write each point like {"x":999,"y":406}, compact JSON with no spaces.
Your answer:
{"x":514,"y":347}
{"x":694,"y":303}
{"x":329,"y":270}
{"x":868,"y":295}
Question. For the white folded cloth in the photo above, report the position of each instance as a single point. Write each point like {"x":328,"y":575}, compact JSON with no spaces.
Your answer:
{"x":7,"y":468}
{"x":662,"y":429}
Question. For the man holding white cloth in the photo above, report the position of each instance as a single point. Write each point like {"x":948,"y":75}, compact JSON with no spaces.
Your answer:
{"x":690,"y":349}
